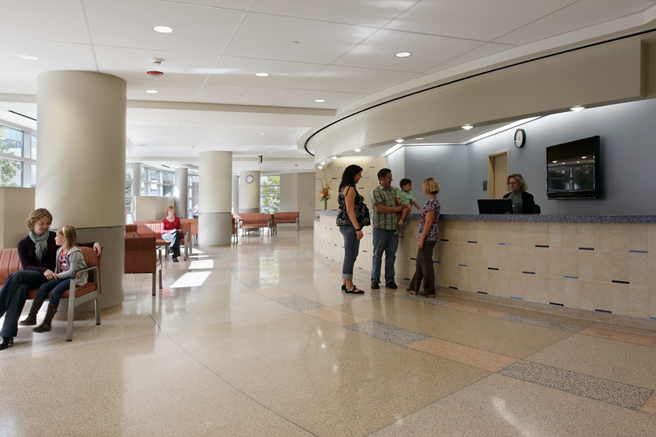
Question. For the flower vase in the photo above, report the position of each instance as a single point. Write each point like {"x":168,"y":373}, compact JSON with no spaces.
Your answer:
{"x":325,"y":204}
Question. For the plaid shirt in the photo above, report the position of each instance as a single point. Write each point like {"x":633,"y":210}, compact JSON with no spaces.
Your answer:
{"x":383,"y":220}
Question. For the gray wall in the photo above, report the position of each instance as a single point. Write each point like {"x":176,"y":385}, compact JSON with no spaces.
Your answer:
{"x":628,"y":161}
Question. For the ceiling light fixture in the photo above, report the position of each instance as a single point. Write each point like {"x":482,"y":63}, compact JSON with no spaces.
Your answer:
{"x":357,"y":150}
{"x":577,"y":108}
{"x":260,"y":133}
{"x":320,"y":167}
{"x":418,"y":138}
{"x":399,"y":140}
{"x":29,"y":57}
{"x":334,"y":157}
{"x":261,"y":74}
{"x":163,"y":29}
{"x":152,"y":91}
{"x":467,"y":127}
{"x":403,"y":54}
{"x":319,"y":100}
{"x":393,"y":149}
{"x":502,"y":128}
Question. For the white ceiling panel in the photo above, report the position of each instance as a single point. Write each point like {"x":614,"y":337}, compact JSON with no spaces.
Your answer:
{"x":305,"y":99}
{"x":167,"y":91}
{"x":14,"y":82}
{"x":240,"y":95}
{"x":61,"y":20}
{"x":374,"y":13}
{"x":129,"y":23}
{"x":355,"y":80}
{"x":293,"y":39}
{"x":583,"y":13}
{"x":379,"y":50}
{"x":482,"y":20}
{"x":239,"y":5}
{"x":206,"y":130}
{"x":486,"y":49}
{"x":52,"y":56}
{"x":241,"y":71}
{"x":134,"y":63}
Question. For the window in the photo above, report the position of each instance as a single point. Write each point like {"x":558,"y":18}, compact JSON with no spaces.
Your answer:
{"x":16,"y":167}
{"x":192,"y":196}
{"x":270,"y":194}
{"x":156,"y":182}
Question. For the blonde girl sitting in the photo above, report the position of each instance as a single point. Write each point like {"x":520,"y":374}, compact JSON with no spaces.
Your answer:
{"x":69,"y":259}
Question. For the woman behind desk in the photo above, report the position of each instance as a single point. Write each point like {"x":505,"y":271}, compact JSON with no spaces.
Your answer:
{"x":523,"y":202}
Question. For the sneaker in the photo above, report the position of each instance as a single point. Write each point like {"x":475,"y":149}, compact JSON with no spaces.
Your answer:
{"x":391,"y":285}
{"x":374,"y":285}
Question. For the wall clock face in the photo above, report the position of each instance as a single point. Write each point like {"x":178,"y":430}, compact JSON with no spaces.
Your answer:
{"x":520,"y":138}
{"x":249,"y":179}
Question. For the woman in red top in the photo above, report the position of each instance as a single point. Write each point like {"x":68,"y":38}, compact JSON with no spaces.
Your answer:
{"x":171,"y":231}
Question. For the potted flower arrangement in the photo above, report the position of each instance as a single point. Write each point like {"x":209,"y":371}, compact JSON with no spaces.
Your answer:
{"x":325,"y":194}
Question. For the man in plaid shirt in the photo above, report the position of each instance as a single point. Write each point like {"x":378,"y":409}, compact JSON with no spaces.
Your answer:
{"x":384,"y":207}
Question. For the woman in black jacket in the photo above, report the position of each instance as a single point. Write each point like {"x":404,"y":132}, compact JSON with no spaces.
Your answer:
{"x":523,"y":202}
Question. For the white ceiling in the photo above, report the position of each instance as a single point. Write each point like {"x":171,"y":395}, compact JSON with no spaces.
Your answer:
{"x":338,"y":50}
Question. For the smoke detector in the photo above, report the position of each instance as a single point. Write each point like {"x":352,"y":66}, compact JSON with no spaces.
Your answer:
{"x":157,"y":61}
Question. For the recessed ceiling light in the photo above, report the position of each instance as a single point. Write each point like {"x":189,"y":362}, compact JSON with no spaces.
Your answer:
{"x":152,"y":91}
{"x":399,"y":140}
{"x":577,"y":108}
{"x":260,"y":133}
{"x":467,"y":127}
{"x":357,"y":150}
{"x":418,"y":138}
{"x":29,"y":57}
{"x":163,"y":29}
{"x":403,"y":54}
{"x":319,"y":100}
{"x":319,"y":167}
{"x":261,"y":74}
{"x":334,"y":157}
{"x":323,"y":163}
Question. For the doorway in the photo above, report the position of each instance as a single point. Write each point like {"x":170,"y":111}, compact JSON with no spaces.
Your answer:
{"x":497,"y":172}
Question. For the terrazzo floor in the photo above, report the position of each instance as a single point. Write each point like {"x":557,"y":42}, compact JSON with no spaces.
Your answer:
{"x":257,"y":339}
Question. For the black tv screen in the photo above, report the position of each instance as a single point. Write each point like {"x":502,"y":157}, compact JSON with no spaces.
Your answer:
{"x":573,"y":169}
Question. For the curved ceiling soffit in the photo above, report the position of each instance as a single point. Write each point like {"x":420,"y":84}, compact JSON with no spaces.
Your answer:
{"x":468,"y":77}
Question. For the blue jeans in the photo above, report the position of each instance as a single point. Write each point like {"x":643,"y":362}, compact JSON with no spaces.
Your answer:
{"x":351,"y":248}
{"x":55,"y":287}
{"x":384,"y":241}
{"x":13,"y":295}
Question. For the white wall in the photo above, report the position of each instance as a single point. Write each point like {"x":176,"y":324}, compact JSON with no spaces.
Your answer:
{"x":151,"y":207}
{"x":297,"y":193}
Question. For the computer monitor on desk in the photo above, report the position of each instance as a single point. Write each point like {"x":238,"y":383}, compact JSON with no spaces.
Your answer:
{"x":495,"y":206}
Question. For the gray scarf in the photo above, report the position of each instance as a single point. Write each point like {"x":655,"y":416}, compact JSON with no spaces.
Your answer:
{"x":41,"y":243}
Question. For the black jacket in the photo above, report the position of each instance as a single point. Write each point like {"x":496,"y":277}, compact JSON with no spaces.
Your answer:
{"x":528,"y":203}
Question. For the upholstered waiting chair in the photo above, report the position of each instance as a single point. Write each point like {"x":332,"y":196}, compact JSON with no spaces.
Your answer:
{"x":141,"y":257}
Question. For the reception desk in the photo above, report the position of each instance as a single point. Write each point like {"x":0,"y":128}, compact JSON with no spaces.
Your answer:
{"x":598,"y":263}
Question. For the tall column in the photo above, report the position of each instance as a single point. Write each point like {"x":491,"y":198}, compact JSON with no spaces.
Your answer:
{"x":249,"y":191}
{"x":81,"y":161}
{"x":214,"y":198}
{"x":181,"y":191}
{"x":235,"y":193}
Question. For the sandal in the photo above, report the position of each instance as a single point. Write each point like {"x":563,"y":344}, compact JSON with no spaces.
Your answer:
{"x":354,"y":291}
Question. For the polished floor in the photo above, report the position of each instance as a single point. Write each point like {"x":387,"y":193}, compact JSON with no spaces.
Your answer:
{"x":258,"y":340}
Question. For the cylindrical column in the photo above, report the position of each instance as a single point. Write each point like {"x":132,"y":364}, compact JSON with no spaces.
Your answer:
{"x":81,"y":162}
{"x":214,"y":192}
{"x":235,"y":193}
{"x":180,"y":192}
{"x":249,"y":191}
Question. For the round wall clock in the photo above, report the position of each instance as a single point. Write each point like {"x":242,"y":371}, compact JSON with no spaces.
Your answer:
{"x":249,"y":179}
{"x":520,"y":138}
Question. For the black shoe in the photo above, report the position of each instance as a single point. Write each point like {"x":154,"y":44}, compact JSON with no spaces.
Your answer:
{"x":6,"y":342}
{"x":424,"y":294}
{"x":344,"y":287}
{"x":374,"y":285}
{"x":391,"y":285}
{"x":354,"y":291}
{"x":175,"y":259}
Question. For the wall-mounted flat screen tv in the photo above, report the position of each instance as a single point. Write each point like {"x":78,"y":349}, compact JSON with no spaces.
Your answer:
{"x":573,"y":170}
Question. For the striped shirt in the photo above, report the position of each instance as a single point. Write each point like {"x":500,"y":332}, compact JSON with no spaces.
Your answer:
{"x":383,"y":220}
